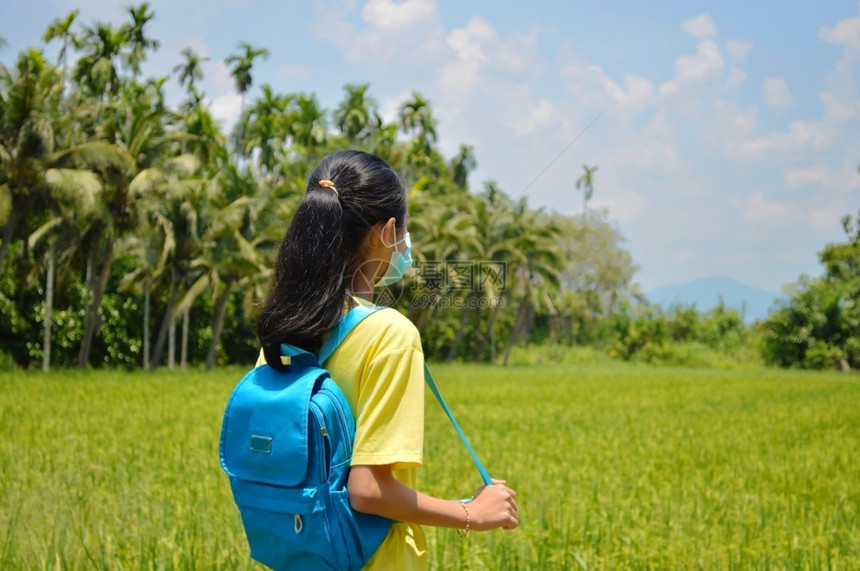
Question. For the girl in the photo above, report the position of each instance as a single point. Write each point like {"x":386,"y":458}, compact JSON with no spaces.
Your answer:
{"x":347,"y":236}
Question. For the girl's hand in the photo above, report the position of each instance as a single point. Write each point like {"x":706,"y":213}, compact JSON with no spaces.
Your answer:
{"x":493,"y":507}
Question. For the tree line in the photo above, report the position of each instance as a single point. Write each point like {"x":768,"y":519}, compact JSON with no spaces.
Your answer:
{"x":137,"y":233}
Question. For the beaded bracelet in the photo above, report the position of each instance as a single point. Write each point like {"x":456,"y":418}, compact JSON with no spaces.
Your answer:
{"x":468,"y":520}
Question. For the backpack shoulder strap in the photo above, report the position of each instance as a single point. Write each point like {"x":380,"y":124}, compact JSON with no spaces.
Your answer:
{"x":352,"y":318}
{"x":428,"y":378}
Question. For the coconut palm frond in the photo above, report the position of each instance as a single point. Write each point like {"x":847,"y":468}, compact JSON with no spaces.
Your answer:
{"x":5,"y":203}
{"x":146,"y":182}
{"x":197,"y":288}
{"x":98,"y":155}
{"x":132,"y":279}
{"x":43,"y":231}
{"x":183,"y":164}
{"x":75,"y":186}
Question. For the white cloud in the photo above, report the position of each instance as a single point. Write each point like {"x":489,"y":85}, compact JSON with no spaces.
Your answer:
{"x":659,"y":156}
{"x":827,"y":217}
{"x":226,"y":108}
{"x":217,"y":74}
{"x":391,"y":15}
{"x":403,"y":31}
{"x":839,"y":106}
{"x":796,"y":178}
{"x":777,"y":94}
{"x":706,"y":63}
{"x":220,"y":92}
{"x":624,"y":204}
{"x":738,"y":50}
{"x":589,"y":84}
{"x":801,"y":135}
{"x":635,"y":93}
{"x":410,"y":30}
{"x":479,"y":57}
{"x":846,"y":33}
{"x":543,"y":114}
{"x":840,"y":99}
{"x":102,"y":10}
{"x":470,"y":48}
{"x":518,"y":53}
{"x":653,"y":152}
{"x":389,"y":107}
{"x":701,"y":27}
{"x":733,"y":123}
{"x":332,"y":24}
{"x":757,"y":209}
{"x":736,"y":78}
{"x":468,"y":43}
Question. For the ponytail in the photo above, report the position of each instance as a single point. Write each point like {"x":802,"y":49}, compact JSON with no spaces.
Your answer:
{"x":347,"y":194}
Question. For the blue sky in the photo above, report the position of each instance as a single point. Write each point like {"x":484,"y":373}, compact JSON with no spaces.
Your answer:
{"x":727,"y":138}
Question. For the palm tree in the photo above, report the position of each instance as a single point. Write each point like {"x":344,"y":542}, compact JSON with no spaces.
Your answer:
{"x":265,"y":128}
{"x":497,"y":247}
{"x":447,"y":233}
{"x":467,"y":244}
{"x":357,"y":115}
{"x":236,"y":248}
{"x":136,"y":37}
{"x":190,"y":72}
{"x":416,"y":119}
{"x":151,"y":245}
{"x":307,"y":126}
{"x":585,"y":183}
{"x":33,"y":173}
{"x":96,"y":70}
{"x":204,"y":139}
{"x":241,"y":66}
{"x":384,"y":143}
{"x":190,"y":213}
{"x":533,"y":267}
{"x":136,"y":126}
{"x":60,"y":29}
{"x":462,"y":165}
{"x":73,"y":197}
{"x":168,"y":202}
{"x":31,"y":92}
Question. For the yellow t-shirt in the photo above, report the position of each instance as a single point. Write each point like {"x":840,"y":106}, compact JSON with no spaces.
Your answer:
{"x":379,"y":367}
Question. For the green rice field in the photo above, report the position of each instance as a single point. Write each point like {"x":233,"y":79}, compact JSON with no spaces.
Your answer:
{"x":616,"y":467}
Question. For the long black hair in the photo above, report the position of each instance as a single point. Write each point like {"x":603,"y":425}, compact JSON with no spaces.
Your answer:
{"x":318,"y":255}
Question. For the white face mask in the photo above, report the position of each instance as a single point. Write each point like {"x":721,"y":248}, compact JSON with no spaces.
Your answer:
{"x":398,"y":264}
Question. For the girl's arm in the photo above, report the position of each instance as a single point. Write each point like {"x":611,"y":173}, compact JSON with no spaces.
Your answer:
{"x":375,"y":490}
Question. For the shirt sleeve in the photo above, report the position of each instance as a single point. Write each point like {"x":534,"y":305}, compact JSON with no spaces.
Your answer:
{"x":390,"y":407}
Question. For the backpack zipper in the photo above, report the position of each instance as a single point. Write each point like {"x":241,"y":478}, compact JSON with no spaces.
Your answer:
{"x":339,"y":413}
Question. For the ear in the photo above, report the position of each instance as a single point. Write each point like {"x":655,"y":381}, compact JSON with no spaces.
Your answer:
{"x":387,"y":232}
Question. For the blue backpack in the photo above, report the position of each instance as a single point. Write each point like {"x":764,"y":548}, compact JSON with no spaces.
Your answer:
{"x":286,"y":444}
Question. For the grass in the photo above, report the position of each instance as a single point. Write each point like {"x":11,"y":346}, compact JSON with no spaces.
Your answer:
{"x":616,"y":466}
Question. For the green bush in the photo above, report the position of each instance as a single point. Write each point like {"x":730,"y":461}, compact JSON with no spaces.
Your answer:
{"x":697,"y":354}
{"x":818,"y":327}
{"x":556,"y":354}
{"x":7,"y":363}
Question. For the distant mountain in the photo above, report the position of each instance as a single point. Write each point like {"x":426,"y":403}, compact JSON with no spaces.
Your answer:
{"x":752,"y":303}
